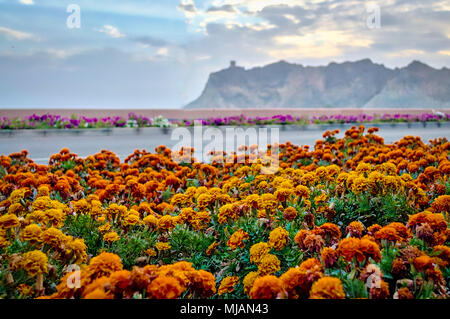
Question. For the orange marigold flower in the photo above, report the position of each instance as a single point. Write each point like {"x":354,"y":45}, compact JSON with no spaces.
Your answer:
{"x":164,"y":287}
{"x":203,"y":283}
{"x":103,"y":265}
{"x":290,"y":213}
{"x":355,"y":229}
{"x":327,"y":288}
{"x":423,"y":263}
{"x":329,"y":257}
{"x":267,"y":287}
{"x":237,"y":239}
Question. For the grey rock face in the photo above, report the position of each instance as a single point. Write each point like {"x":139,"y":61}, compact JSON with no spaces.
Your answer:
{"x":349,"y":84}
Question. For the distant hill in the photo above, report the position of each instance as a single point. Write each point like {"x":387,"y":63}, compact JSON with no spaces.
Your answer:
{"x":356,"y":84}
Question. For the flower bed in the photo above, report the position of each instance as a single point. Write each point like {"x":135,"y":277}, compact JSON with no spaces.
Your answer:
{"x":50,"y":121}
{"x":353,"y":218}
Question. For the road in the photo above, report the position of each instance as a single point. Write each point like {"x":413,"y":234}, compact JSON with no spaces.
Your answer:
{"x":124,"y":141}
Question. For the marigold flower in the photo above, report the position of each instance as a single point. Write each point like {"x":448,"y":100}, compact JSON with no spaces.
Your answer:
{"x":278,"y":238}
{"x":31,"y":233}
{"x":329,"y":257}
{"x":355,"y":229}
{"x":249,"y":280}
{"x":9,"y":221}
{"x":327,"y":288}
{"x":290,"y":213}
{"x":34,"y":262}
{"x":227,"y":285}
{"x":267,"y":287}
{"x":103,"y":265}
{"x":164,"y":287}
{"x":237,"y":239}
{"x":203,"y":283}
{"x":423,"y":263}
{"x":268,"y":264}
{"x":258,"y":251}
{"x":111,"y":237}
{"x":161,"y":246}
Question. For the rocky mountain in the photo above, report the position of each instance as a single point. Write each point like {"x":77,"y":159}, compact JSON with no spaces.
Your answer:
{"x":349,"y":84}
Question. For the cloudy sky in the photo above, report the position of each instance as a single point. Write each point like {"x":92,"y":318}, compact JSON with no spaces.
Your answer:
{"x":158,"y":53}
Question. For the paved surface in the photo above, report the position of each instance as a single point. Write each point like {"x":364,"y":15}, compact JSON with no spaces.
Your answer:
{"x":208,"y":113}
{"x":124,"y":141}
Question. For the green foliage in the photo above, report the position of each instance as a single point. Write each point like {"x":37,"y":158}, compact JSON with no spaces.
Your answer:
{"x":83,"y":226}
{"x":372,"y":209}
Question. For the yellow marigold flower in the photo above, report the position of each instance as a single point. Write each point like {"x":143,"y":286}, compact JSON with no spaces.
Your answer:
{"x":17,"y":195}
{"x":258,"y":251}
{"x":203,"y":200}
{"x":16,"y":209}
{"x":104,"y":228}
{"x":150,"y":252}
{"x":31,"y":233}
{"x":34,"y":262}
{"x":267,"y":287}
{"x":248,"y":281}
{"x":211,"y":248}
{"x":111,"y":237}
{"x":43,"y":191}
{"x":227,"y":285}
{"x":201,"y":220}
{"x":363,"y":168}
{"x":150,"y":221}
{"x":25,"y":290}
{"x":278,"y":238}
{"x":322,"y":198}
{"x":103,"y":265}
{"x":269,"y":264}
{"x":267,"y":201}
{"x":360,"y":185}
{"x":132,"y":218}
{"x":166,"y":222}
{"x":162,"y":246}
{"x":81,"y":206}
{"x":327,"y":288}
{"x":77,"y":248}
{"x":53,"y":237}
{"x":9,"y":221}
{"x":237,"y":239}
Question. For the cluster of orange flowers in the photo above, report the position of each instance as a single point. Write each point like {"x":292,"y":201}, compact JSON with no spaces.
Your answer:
{"x":275,"y":235}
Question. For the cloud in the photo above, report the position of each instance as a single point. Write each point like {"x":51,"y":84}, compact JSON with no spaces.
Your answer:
{"x":224,"y":8}
{"x":112,"y":31}
{"x":150,"y":41}
{"x":27,"y":2}
{"x":16,"y":35}
{"x":106,"y":78}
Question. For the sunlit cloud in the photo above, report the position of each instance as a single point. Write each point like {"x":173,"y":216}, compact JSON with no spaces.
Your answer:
{"x":111,"y":31}
{"x":16,"y":35}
